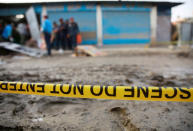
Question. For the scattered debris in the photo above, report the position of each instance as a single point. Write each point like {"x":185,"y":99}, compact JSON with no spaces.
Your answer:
{"x":2,"y":62}
{"x":20,"y":57}
{"x":18,"y":108}
{"x":186,"y":54}
{"x":129,"y":81}
{"x":183,"y":54}
{"x":60,"y":113}
{"x":33,"y":25}
{"x":116,"y":109}
{"x":158,"y":78}
{"x":170,"y":83}
{"x":89,"y":51}
{"x":37,"y":119}
{"x":22,"y":49}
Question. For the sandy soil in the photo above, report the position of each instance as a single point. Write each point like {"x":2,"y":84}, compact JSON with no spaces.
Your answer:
{"x":25,"y":112}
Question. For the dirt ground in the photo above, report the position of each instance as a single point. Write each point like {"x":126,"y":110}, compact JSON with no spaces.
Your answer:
{"x":31,"y":112}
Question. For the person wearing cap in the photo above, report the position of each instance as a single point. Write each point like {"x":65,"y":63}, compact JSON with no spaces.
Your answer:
{"x":47,"y":30}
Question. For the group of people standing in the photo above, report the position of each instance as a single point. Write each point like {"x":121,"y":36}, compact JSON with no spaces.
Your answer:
{"x":14,"y":32}
{"x":60,"y":37}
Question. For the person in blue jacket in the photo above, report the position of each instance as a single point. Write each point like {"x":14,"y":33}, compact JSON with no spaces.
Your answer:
{"x":47,"y":30}
{"x":7,"y":31}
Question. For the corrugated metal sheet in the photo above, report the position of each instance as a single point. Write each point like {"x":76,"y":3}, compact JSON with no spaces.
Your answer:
{"x":163,"y":24}
{"x":45,"y":1}
{"x":126,"y":25}
{"x":186,"y":32}
{"x":163,"y":28}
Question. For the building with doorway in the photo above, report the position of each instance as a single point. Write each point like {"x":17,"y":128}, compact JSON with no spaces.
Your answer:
{"x":108,"y":22}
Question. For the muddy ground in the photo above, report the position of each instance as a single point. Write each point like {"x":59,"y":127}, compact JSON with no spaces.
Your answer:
{"x":30,"y":112}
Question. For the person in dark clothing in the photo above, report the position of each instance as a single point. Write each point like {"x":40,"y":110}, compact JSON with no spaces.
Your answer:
{"x":1,"y":29}
{"x":66,"y":34}
{"x":62,"y":35}
{"x":73,"y":30}
{"x":55,"y":36}
{"x":61,"y":38}
{"x":15,"y":35}
{"x":47,"y":29}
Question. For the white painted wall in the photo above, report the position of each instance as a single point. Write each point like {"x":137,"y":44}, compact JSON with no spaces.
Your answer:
{"x":99,"y":26}
{"x":153,"y":22}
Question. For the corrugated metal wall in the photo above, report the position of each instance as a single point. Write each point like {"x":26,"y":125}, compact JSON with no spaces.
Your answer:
{"x":126,"y":25}
{"x":186,"y":32}
{"x":85,"y":16}
{"x":164,"y":24}
{"x":121,"y":24}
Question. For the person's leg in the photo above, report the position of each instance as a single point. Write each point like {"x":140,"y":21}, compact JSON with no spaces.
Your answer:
{"x":53,"y":44}
{"x":74,"y":44}
{"x":22,"y":37}
{"x":61,"y":41}
{"x":47,"y":38}
{"x":69,"y":43}
{"x":57,"y":42}
{"x":6,"y":40}
{"x":65,"y":42}
{"x":49,"y":44}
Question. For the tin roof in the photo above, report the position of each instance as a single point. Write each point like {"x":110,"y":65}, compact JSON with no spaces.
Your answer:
{"x":48,"y":1}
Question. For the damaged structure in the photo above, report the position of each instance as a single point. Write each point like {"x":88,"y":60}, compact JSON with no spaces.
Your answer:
{"x":107,"y":22}
{"x":21,"y":49}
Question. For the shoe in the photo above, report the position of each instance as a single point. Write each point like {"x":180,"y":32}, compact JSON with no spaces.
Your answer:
{"x":61,"y":51}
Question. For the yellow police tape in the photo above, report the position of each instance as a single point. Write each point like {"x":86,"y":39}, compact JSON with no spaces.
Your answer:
{"x":100,"y":92}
